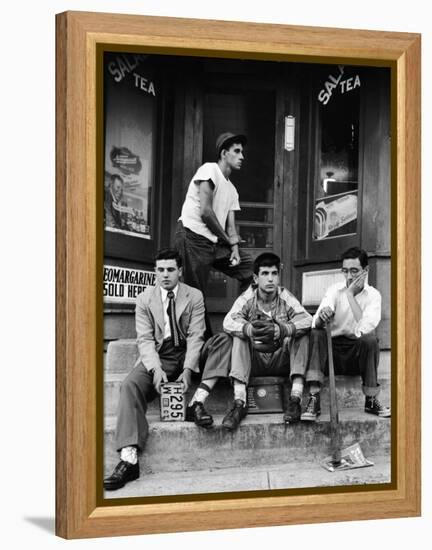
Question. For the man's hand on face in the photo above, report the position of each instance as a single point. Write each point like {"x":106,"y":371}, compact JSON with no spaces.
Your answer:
{"x":326,"y":315}
{"x":185,"y":377}
{"x":264,"y":330}
{"x":159,"y":378}
{"x":357,"y":285}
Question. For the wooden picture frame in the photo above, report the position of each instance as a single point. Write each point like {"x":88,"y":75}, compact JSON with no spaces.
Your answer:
{"x":78,"y":287}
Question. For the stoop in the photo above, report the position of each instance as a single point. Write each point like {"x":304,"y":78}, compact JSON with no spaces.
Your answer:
{"x":262,"y":452}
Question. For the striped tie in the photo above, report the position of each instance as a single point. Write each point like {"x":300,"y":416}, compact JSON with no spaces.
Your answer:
{"x":175,"y":334}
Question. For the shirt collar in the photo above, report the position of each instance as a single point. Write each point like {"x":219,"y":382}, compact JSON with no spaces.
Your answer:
{"x":279,"y":292}
{"x":365,"y":288}
{"x":222,"y":174}
{"x":164,"y":293}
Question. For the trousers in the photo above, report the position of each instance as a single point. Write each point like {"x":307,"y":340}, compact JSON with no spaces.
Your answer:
{"x":352,"y":356}
{"x":238,"y":359}
{"x":200,"y":255}
{"x":137,"y":389}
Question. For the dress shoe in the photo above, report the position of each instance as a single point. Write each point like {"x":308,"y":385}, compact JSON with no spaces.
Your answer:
{"x":197,"y":413}
{"x":123,"y":472}
{"x":235,"y":415}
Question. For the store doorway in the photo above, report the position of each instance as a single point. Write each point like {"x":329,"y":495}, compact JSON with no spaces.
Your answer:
{"x":253,"y":112}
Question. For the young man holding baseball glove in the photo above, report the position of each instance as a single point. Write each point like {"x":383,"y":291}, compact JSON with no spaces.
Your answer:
{"x":270,"y":335}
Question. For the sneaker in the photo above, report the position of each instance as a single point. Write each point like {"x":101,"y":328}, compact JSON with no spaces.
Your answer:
{"x":235,"y":415}
{"x":197,"y":413}
{"x":123,"y":472}
{"x":293,"y":412}
{"x":373,"y":406}
{"x":313,"y":408}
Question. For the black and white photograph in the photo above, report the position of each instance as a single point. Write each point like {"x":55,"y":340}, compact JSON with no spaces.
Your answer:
{"x":207,"y":181}
{"x":247,"y":275}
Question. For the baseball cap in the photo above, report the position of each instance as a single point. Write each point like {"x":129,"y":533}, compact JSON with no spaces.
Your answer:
{"x":228,"y":138}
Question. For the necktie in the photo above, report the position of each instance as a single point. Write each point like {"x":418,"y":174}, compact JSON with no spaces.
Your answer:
{"x":175,"y":334}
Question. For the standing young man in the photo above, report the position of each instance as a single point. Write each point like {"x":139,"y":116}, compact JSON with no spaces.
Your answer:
{"x":170,"y":334}
{"x":353,"y":310}
{"x":206,"y":236}
{"x":269,"y":330}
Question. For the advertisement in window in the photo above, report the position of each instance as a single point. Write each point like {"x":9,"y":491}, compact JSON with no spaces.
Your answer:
{"x":130,"y":133}
{"x":336,"y":191}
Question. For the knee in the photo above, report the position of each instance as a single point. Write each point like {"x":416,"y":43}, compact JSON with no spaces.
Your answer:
{"x":219,"y":343}
{"x":297,"y":343}
{"x":220,"y":340}
{"x":224,"y":337}
{"x":303,"y":339}
{"x":129,"y":385}
{"x":369,"y":341}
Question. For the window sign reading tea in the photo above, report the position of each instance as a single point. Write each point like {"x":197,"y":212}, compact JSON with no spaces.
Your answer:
{"x":130,"y":139}
{"x":336,"y":188}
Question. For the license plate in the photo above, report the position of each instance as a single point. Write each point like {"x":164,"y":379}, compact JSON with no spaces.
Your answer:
{"x":172,"y":402}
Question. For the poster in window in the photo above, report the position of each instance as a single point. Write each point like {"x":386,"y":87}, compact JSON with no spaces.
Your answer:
{"x":130,"y":133}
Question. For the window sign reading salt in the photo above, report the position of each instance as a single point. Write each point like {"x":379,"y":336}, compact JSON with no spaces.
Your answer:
{"x":336,"y":186}
{"x":130,"y":143}
{"x":336,"y":81}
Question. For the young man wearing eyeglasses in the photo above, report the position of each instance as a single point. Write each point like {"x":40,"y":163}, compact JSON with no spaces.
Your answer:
{"x":353,"y":310}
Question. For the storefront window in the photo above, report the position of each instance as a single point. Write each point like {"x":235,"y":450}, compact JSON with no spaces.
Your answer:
{"x":130,"y":144}
{"x":336,"y":188}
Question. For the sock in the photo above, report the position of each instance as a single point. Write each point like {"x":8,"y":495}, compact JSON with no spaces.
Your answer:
{"x":201,"y":393}
{"x":297,"y":387}
{"x":240,"y":390}
{"x":314,"y":388}
{"x":129,"y":454}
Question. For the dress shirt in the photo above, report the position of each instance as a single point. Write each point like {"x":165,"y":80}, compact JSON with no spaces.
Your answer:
{"x":343,"y":323}
{"x":165,"y":303}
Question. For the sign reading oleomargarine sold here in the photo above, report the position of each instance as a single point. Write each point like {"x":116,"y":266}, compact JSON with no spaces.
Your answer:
{"x":122,"y":284}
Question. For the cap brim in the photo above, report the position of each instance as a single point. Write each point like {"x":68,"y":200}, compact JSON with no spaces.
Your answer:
{"x":238,"y":138}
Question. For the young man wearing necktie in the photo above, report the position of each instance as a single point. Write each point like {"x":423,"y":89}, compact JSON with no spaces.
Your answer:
{"x":170,"y":333}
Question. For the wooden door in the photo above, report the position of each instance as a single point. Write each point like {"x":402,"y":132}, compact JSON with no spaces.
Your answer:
{"x":253,"y":109}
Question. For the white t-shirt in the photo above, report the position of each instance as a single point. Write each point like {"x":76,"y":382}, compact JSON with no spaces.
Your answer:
{"x":225,"y":198}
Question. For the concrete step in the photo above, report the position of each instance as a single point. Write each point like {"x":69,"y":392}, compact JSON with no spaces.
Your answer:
{"x":348,"y":389}
{"x":278,"y":476}
{"x":121,"y":356}
{"x":261,"y":440}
